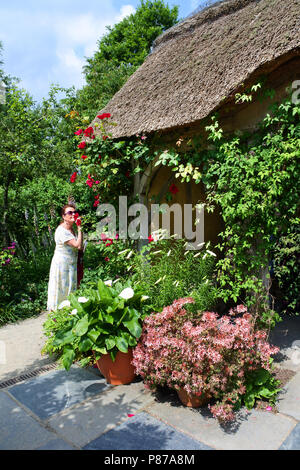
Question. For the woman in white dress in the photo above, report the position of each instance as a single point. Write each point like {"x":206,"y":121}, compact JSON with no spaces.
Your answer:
{"x":63,"y":270}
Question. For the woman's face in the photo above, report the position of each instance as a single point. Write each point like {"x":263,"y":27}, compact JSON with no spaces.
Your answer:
{"x":69,"y":214}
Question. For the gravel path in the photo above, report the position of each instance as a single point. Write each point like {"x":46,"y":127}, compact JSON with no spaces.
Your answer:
{"x":20,"y":347}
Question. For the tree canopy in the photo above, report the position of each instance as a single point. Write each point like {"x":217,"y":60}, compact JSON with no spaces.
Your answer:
{"x":121,"y":51}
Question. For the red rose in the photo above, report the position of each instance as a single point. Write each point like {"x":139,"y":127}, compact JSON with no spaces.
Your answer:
{"x":83,"y":157}
{"x":82,"y":145}
{"x":105,"y":137}
{"x":106,"y":259}
{"x":88,"y":131}
{"x":78,"y":222}
{"x":109,"y":242}
{"x":73,"y":177}
{"x":80,"y":131}
{"x":173,"y":189}
{"x":103,"y":116}
{"x":150,"y":238}
{"x":76,"y":215}
{"x":90,"y":181}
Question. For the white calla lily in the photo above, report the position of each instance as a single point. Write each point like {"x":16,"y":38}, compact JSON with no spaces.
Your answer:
{"x":82,"y":300}
{"x":63,"y":304}
{"x":74,"y":311}
{"x":108,"y":283}
{"x":144,"y":297}
{"x":127,"y":293}
{"x":211,"y":253}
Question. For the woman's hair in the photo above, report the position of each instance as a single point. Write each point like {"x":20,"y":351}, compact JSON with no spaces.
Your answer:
{"x":63,"y":211}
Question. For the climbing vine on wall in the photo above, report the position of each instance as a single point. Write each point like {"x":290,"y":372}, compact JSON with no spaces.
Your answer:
{"x":254,"y":179}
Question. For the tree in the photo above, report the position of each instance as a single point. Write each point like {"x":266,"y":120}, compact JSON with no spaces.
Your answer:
{"x":121,"y":51}
{"x":35,"y":142}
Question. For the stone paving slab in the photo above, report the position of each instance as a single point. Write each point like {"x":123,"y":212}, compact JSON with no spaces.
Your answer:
{"x":253,"y":430}
{"x":22,"y":342}
{"x":18,"y":430}
{"x":56,"y":444}
{"x":87,"y":421}
{"x":143,"y":432}
{"x":50,"y":393}
{"x":292,"y":442}
{"x":289,"y":398}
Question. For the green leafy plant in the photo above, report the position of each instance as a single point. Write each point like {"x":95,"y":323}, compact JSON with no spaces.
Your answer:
{"x":102,"y":321}
{"x":253,"y":178}
{"x":260,"y":384}
{"x":166,"y":271}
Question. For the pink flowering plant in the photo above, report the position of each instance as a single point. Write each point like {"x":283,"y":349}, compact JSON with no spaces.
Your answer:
{"x":206,"y":355}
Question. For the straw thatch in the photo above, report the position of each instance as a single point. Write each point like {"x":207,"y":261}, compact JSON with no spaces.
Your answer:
{"x":206,"y":58}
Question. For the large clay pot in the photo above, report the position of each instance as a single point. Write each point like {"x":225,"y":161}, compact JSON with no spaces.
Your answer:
{"x":118,"y":372}
{"x":191,"y":400}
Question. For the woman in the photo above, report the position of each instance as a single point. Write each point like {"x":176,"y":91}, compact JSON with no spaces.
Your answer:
{"x":63,"y":270}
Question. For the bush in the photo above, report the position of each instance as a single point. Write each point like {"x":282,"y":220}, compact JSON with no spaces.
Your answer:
{"x":104,"y":320}
{"x":167,"y":271}
{"x":24,"y":286}
{"x":205,"y":355}
{"x":287,"y":270}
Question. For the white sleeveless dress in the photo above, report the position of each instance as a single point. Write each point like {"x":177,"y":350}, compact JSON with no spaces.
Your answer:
{"x":63,"y":270}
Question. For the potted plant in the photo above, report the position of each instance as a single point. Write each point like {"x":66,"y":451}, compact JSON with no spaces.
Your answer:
{"x":104,"y":323}
{"x":203,"y":357}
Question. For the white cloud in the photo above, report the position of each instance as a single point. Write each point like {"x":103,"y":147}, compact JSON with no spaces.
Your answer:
{"x":126,"y":10}
{"x":81,"y":31}
{"x":48,"y":42}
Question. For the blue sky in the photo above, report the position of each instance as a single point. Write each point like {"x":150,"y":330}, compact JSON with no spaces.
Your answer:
{"x":46,"y":41}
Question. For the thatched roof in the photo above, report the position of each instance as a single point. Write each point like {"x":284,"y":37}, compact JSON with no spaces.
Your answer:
{"x":204,"y":59}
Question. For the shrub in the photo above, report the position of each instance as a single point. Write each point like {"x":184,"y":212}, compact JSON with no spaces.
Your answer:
{"x":287,"y":270}
{"x":167,"y":271}
{"x":104,"y":320}
{"x":205,"y":354}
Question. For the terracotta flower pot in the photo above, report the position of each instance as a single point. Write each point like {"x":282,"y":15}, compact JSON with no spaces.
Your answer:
{"x":118,"y":372}
{"x":191,"y":400}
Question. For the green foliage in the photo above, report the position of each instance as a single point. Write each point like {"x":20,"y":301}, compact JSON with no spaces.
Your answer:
{"x":104,"y":320}
{"x":121,"y":51}
{"x":287,"y":269}
{"x":166,"y":271}
{"x":24,"y":286}
{"x":106,"y":259}
{"x":260,"y":385}
{"x":254,"y":179}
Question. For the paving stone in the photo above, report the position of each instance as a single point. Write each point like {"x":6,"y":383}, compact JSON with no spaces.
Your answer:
{"x":56,"y":444}
{"x":143,"y":432}
{"x":18,"y":430}
{"x":292,"y":442}
{"x":85,"y":422}
{"x":50,"y":393}
{"x":289,"y":398}
{"x":253,"y":430}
